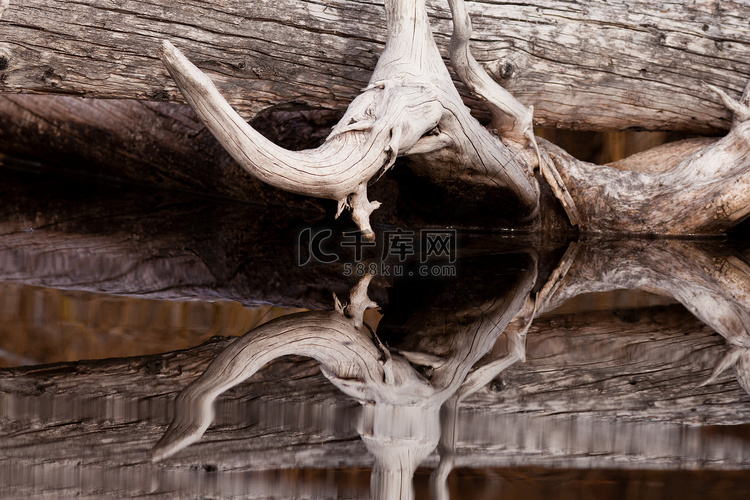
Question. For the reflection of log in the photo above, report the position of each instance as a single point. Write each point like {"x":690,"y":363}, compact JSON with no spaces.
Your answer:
{"x":121,"y":240}
{"x":709,"y":279}
{"x":66,"y":234}
{"x":637,"y":365}
{"x":606,"y":65}
{"x":639,"y":369}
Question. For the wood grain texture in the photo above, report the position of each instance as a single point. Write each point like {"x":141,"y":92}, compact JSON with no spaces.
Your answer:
{"x":589,"y":64}
{"x":704,"y":192}
{"x":409,"y":107}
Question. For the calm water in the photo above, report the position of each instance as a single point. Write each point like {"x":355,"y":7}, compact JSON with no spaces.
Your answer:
{"x":496,"y":366}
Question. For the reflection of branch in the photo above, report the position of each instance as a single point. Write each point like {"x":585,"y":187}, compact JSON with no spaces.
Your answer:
{"x":709,"y":280}
{"x":515,"y":334}
{"x":400,"y":422}
{"x":330,"y":337}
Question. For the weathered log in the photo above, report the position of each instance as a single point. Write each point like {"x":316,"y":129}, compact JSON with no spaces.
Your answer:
{"x":589,"y":65}
{"x":449,"y":146}
{"x":680,"y":188}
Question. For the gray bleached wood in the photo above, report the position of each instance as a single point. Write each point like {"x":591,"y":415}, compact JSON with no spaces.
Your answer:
{"x":410,"y":107}
{"x":704,"y":192}
{"x":337,"y":170}
{"x":510,"y":118}
{"x":590,"y":64}
{"x":693,"y":197}
{"x":679,"y":188}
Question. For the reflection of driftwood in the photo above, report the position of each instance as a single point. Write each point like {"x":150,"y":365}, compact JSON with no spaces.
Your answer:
{"x":709,"y":279}
{"x":592,"y":387}
{"x":401,"y":391}
{"x":632,"y":365}
{"x":593,"y":64}
{"x":706,"y":277}
{"x":127,"y":241}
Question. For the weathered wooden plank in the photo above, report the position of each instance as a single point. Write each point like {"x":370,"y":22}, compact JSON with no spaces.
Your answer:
{"x":589,"y":64}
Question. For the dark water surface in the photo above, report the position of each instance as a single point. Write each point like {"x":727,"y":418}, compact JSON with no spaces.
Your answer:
{"x":520,"y":366}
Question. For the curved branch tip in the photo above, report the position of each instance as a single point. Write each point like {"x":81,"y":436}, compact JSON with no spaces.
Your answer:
{"x":741,"y":111}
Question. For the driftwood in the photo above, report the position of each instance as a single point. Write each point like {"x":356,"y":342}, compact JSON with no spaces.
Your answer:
{"x":591,"y":64}
{"x":95,"y":144}
{"x":411,"y":108}
{"x":679,"y":188}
